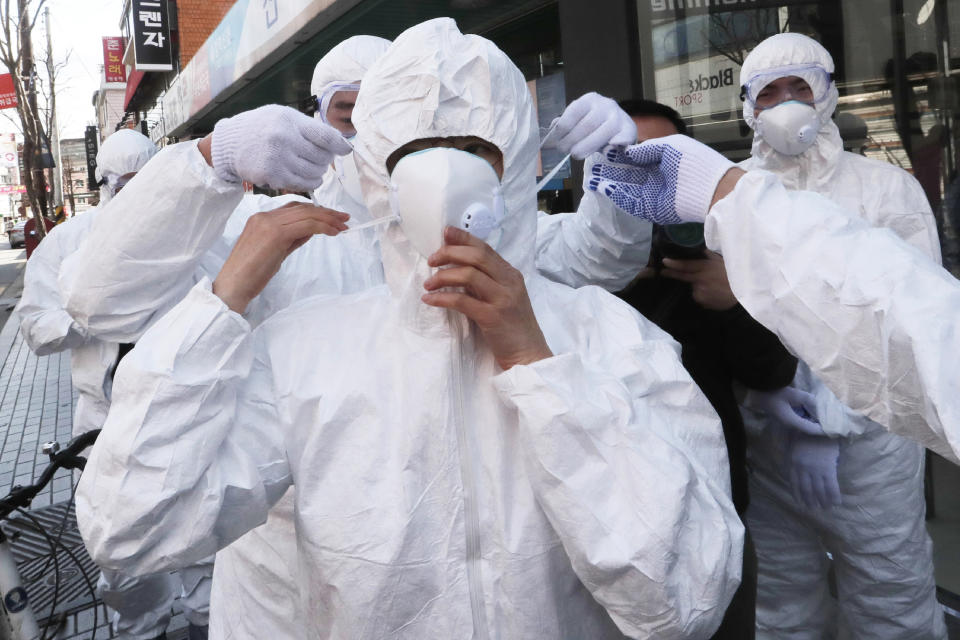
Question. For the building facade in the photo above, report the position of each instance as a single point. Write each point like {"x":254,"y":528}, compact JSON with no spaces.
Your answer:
{"x":11,"y":191}
{"x":108,"y":105}
{"x":896,"y":63}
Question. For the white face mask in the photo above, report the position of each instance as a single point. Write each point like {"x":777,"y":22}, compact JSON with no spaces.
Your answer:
{"x":790,"y":127}
{"x":437,"y":187}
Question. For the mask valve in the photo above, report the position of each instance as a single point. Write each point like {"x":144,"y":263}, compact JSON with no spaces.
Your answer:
{"x":480,"y":221}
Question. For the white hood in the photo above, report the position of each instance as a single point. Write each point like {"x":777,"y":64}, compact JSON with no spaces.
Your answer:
{"x":347,"y":62}
{"x":126,"y":151}
{"x":437,"y":82}
{"x":814,"y":168}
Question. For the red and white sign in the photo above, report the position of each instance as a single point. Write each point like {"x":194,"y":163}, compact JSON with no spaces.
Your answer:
{"x":8,"y":95}
{"x":12,"y":188}
{"x":113,"y":67}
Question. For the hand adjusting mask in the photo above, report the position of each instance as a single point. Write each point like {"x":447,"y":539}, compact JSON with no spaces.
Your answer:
{"x":442,"y":186}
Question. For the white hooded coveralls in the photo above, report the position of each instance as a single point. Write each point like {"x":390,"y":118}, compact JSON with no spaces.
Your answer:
{"x":116,"y":289}
{"x":882,"y":553}
{"x":254,"y":588}
{"x":436,"y":497}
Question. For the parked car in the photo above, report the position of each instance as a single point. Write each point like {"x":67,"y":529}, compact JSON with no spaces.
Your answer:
{"x":15,"y":235}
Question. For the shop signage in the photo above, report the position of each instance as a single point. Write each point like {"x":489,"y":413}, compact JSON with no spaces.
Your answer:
{"x":12,"y":188}
{"x":113,"y":67}
{"x":8,"y":94}
{"x":151,"y":35}
{"x":90,"y":146}
{"x":702,"y":87}
{"x":669,"y":8}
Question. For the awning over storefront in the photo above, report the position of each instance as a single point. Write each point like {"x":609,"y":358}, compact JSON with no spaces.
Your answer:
{"x":133,"y":81}
{"x":258,"y":56}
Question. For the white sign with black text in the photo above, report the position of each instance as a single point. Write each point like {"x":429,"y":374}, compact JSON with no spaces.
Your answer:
{"x":701,"y":87}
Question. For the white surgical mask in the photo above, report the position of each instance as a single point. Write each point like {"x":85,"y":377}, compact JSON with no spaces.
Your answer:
{"x":441,"y":187}
{"x":790,"y":127}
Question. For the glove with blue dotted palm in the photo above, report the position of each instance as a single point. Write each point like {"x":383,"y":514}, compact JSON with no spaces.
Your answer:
{"x":665,"y":180}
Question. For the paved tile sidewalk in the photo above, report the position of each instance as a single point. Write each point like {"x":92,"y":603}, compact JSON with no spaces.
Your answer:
{"x":36,"y":406}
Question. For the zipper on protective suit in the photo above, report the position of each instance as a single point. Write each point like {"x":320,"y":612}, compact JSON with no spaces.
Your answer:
{"x":471,"y":514}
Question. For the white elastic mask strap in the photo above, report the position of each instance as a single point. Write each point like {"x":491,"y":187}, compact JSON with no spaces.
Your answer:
{"x":547,"y":178}
{"x":373,"y":223}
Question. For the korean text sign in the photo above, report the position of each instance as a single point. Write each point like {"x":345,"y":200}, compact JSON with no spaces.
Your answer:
{"x":151,"y":34}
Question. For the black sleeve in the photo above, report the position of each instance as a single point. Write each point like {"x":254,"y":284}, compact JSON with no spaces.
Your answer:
{"x":754,"y":355}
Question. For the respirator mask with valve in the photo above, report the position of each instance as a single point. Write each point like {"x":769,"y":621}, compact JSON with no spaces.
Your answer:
{"x":790,"y":127}
{"x":440,"y":187}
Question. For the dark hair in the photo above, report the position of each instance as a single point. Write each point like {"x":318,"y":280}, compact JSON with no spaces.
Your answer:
{"x":640,"y":107}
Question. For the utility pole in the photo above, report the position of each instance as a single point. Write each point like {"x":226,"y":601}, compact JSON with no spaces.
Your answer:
{"x":54,"y":131}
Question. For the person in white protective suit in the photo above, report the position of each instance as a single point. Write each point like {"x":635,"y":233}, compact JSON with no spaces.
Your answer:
{"x":880,"y":334}
{"x":409,"y":521}
{"x":141,"y":607}
{"x":854,"y":490}
{"x":254,"y":588}
{"x":596,"y":244}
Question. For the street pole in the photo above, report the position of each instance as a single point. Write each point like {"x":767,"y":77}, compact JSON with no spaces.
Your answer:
{"x":54,"y":133}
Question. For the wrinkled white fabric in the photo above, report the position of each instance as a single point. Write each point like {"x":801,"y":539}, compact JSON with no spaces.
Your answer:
{"x":347,"y":62}
{"x":115,"y":297}
{"x":47,"y":327}
{"x":596,"y":244}
{"x":883,"y":555}
{"x":124,"y":151}
{"x":885,"y":329}
{"x":254,"y":586}
{"x":140,"y":606}
{"x":392,"y":490}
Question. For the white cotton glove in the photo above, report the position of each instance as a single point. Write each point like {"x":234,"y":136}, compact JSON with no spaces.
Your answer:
{"x":275,"y":146}
{"x":590,"y":123}
{"x":665,"y":180}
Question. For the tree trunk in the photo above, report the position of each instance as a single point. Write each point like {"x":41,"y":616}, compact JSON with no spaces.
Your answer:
{"x":33,"y":126}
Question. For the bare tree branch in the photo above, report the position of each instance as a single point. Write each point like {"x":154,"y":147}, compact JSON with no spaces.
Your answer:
{"x":36,"y":14}
{"x":16,"y":124}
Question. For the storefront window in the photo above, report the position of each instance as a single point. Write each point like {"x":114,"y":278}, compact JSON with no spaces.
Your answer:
{"x":898,"y":96}
{"x":533,"y":44}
